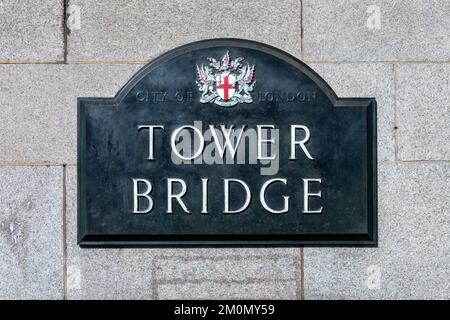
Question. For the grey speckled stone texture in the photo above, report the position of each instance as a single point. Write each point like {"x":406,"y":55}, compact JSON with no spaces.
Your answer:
{"x":366,"y":80}
{"x":336,"y":30}
{"x":229,"y":274}
{"x":31,"y":233}
{"x":423,"y":107}
{"x":38,"y":107}
{"x":228,"y":290}
{"x":412,"y":260}
{"x":140,"y":30}
{"x":31,"y":31}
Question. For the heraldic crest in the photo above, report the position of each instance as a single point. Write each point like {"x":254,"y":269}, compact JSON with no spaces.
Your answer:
{"x":226,"y":82}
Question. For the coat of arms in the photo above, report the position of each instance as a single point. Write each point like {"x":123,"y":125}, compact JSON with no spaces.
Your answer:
{"x":226,"y":82}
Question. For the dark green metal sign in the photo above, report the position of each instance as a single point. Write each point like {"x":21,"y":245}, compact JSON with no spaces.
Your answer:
{"x":226,"y":142}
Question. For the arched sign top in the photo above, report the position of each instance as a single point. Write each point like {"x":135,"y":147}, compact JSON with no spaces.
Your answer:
{"x":227,"y":43}
{"x":226,"y":142}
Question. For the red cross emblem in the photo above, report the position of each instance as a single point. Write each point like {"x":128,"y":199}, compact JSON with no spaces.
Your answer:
{"x":226,"y":86}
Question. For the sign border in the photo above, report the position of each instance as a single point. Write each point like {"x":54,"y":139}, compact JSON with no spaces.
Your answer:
{"x":370,"y":239}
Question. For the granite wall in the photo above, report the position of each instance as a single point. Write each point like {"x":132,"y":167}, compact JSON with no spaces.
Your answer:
{"x":53,"y":51}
